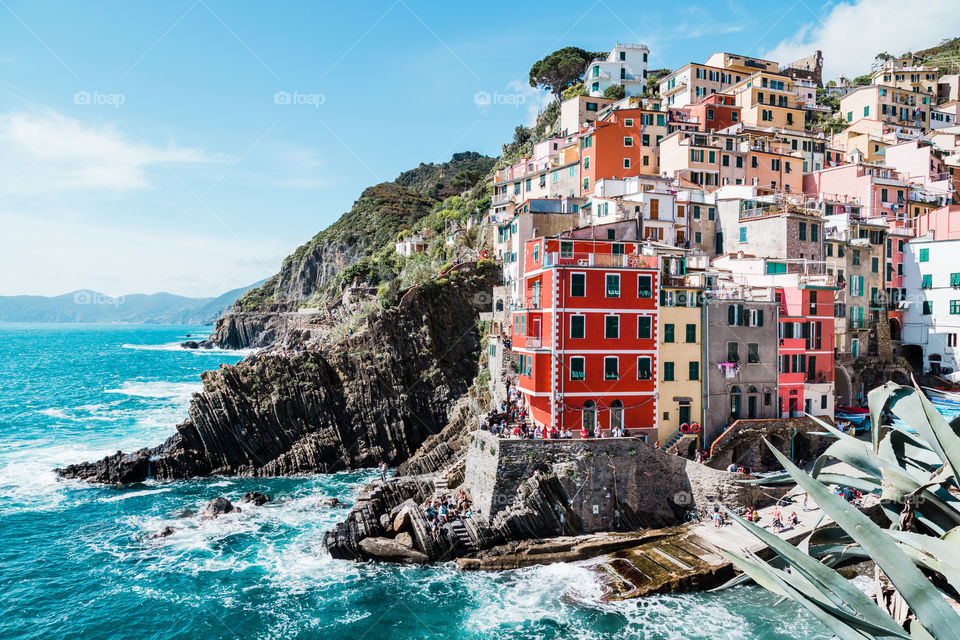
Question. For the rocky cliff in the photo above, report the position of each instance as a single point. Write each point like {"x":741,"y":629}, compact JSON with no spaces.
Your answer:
{"x":317,"y":272}
{"x":374,"y":395}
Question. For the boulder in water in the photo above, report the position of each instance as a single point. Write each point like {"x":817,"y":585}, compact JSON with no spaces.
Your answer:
{"x":388,"y":549}
{"x":217,"y":507}
{"x":256,"y":498}
{"x":190,"y":344}
{"x":163,"y":533}
{"x":330,"y":502}
{"x":405,"y":539}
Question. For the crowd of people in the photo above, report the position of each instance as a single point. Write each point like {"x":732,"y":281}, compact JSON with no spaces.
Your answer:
{"x":442,"y":509}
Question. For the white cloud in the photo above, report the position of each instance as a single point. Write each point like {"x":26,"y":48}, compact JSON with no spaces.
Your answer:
{"x":44,"y":151}
{"x":51,"y":256}
{"x":850,"y":34}
{"x":535,"y":100}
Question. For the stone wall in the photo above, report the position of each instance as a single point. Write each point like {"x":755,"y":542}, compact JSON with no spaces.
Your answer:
{"x":743,"y":443}
{"x":611,"y":483}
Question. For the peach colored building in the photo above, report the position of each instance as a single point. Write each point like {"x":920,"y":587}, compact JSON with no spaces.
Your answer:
{"x":889,"y":104}
{"x":769,"y":100}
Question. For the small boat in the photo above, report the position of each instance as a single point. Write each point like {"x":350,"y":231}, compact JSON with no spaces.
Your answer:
{"x":852,"y":410}
{"x":942,"y":394}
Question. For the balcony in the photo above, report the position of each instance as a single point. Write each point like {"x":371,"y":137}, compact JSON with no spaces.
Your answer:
{"x":532,"y":342}
{"x":862,"y":324}
{"x":555,"y":259}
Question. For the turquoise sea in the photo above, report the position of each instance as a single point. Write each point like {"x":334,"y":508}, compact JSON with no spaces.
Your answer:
{"x":78,"y":561}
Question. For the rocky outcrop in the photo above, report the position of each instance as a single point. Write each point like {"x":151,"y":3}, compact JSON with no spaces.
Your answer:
{"x":217,"y":507}
{"x":374,"y":396}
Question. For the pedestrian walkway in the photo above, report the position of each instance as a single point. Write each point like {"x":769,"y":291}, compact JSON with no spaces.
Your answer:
{"x":690,"y":558}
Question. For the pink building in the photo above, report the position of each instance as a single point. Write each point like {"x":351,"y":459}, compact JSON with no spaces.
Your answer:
{"x":943,"y":222}
{"x":878,"y":189}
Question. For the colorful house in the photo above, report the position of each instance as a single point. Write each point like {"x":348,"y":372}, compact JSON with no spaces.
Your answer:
{"x":587,"y":333}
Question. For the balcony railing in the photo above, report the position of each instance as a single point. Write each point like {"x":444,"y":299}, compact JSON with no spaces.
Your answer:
{"x":533,"y":342}
{"x":598,"y":260}
{"x":862,"y":324}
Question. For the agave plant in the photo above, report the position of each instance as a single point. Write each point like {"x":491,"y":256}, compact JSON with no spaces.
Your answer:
{"x":914,"y":473}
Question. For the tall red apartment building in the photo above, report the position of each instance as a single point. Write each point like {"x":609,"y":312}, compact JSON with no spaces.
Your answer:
{"x":586,"y":335}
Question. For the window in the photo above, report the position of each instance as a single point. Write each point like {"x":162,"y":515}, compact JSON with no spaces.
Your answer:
{"x":753,"y":352}
{"x":628,"y":141}
{"x":924,"y":255}
{"x":644,"y":370}
{"x":644,"y":327}
{"x":617,"y":247}
{"x":668,"y":333}
{"x":577,"y":368}
{"x":566,"y":249}
{"x":613,"y":285}
{"x":926,"y":281}
{"x":611,"y":368}
{"x":578,"y":285}
{"x":927,"y":307}
{"x":955,"y":307}
{"x":733,"y":352}
{"x":802,"y":230}
{"x":644,"y":286}
{"x":626,"y":163}
{"x":875,"y":265}
{"x":951,"y":339}
{"x":628,"y":122}
{"x":856,"y":257}
{"x":691,"y":333}
{"x":743,"y":234}
{"x":578,"y":327}
{"x":694,"y":370}
{"x":611,"y":327}
{"x":668,"y":372}
{"x":756,"y":317}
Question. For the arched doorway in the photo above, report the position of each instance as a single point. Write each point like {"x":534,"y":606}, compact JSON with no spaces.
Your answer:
{"x":590,"y":417}
{"x":499,"y":305}
{"x":753,"y":401}
{"x":842,"y":381}
{"x":913,"y":354}
{"x":894,"y":329}
{"x":735,"y":404}
{"x":616,"y":416}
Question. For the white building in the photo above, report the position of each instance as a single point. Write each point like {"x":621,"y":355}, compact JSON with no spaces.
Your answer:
{"x":944,"y":115}
{"x":931,"y":321}
{"x":410,"y":245}
{"x":626,"y":65}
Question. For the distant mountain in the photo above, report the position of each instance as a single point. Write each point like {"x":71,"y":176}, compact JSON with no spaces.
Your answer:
{"x":91,"y":306}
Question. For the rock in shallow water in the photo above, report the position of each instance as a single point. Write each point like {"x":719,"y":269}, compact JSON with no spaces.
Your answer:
{"x":217,"y":507}
{"x":392,"y":550}
{"x":255,"y":498}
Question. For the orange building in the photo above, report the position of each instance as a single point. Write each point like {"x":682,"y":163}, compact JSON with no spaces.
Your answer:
{"x":621,"y":144}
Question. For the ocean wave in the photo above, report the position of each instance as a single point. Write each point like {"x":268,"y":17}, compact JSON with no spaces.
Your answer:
{"x":157,"y":389}
{"x":177,"y":346}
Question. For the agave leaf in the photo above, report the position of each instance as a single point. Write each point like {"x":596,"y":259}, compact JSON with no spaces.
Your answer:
{"x":877,"y":400}
{"x":864,"y":485}
{"x":834,"y":586}
{"x":945,"y":441}
{"x":853,"y":452}
{"x":928,"y":605}
{"x":844,"y":625}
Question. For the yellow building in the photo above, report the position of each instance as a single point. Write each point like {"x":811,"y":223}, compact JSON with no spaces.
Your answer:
{"x":768,"y":100}
{"x":743,"y":64}
{"x":889,"y":105}
{"x":680,"y":359}
{"x":902,"y":73}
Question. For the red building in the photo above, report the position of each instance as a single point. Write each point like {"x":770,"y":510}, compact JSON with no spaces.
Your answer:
{"x":806,"y":350}
{"x":715,"y":112}
{"x":587,"y":335}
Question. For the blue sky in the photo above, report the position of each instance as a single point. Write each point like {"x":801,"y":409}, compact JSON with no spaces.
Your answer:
{"x":152,"y":146}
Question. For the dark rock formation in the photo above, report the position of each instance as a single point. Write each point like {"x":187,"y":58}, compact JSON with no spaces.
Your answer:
{"x":217,"y":507}
{"x":163,"y":533}
{"x":374,"y":396}
{"x":255,"y":498}
{"x":330,"y":502}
